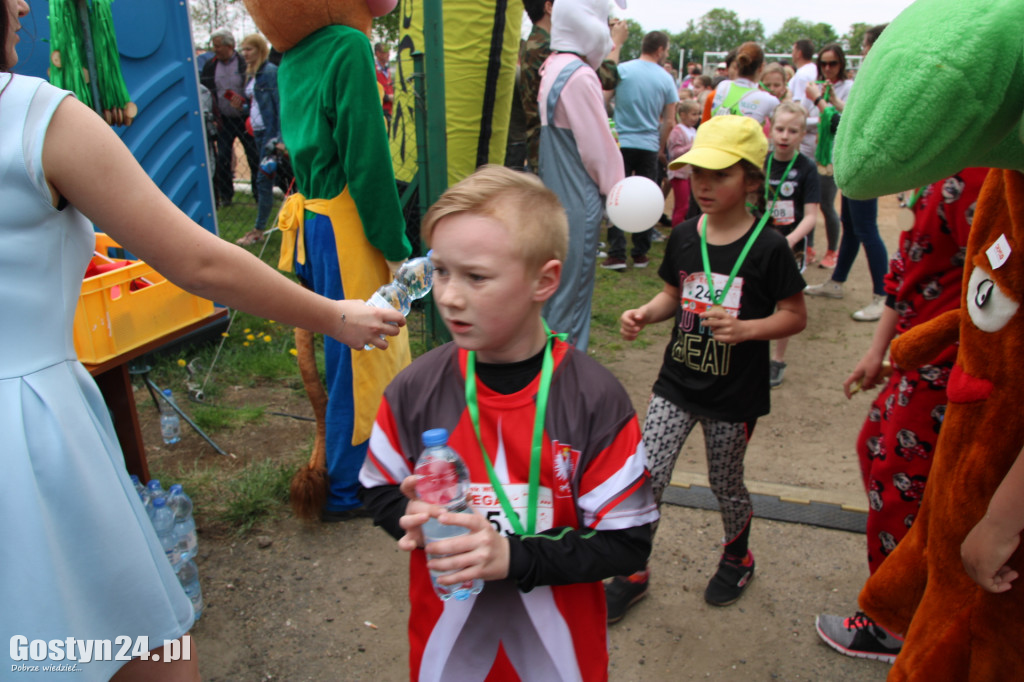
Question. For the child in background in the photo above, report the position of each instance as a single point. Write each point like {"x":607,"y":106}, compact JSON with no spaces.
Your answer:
{"x":715,"y":369}
{"x":679,"y":142}
{"x":702,"y":89}
{"x":774,"y":80}
{"x":792,"y":196}
{"x":498,"y":238}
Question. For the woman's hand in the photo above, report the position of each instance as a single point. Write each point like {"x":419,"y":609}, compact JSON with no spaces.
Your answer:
{"x":360,"y":324}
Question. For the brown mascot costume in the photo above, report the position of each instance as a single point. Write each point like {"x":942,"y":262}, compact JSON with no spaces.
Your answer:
{"x":918,"y":113}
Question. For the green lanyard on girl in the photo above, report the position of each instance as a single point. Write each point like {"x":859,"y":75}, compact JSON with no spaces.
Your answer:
{"x":533,"y":487}
{"x":702,"y":228}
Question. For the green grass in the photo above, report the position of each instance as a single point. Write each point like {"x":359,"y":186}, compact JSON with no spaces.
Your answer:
{"x":260,"y":490}
{"x":616,"y":291}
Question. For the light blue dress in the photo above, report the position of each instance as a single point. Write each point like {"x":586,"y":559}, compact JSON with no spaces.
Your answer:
{"x":78,"y":555}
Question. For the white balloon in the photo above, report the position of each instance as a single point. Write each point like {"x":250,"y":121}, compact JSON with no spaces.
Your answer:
{"x":635,"y":204}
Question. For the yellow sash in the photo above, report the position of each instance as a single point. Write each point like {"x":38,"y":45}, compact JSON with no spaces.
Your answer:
{"x":363,"y":271}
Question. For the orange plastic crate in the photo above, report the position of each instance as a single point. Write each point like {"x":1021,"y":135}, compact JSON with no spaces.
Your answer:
{"x":110,"y":319}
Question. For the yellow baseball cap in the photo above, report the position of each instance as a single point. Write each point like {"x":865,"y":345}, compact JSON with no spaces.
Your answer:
{"x":722,"y":141}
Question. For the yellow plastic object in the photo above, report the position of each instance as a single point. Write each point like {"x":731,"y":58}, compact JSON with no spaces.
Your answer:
{"x":110,"y":319}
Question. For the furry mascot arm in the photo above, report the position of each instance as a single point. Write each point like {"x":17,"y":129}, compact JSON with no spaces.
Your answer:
{"x":923,"y":343}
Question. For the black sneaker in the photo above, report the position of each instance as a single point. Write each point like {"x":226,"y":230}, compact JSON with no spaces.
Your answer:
{"x":621,"y":593}
{"x":730,"y":580}
{"x":858,"y":636}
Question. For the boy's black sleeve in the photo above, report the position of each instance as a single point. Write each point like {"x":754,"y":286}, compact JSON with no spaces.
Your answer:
{"x":562,"y":556}
{"x":387,"y":503}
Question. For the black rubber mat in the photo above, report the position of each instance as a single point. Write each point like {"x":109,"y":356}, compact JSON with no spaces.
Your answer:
{"x":822,"y":514}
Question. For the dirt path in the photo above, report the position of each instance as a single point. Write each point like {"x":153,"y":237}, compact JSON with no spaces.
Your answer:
{"x":329,"y":602}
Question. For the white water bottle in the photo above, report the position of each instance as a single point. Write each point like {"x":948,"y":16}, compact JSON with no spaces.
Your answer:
{"x":413,"y":281}
{"x":184,"y":522}
{"x":163,"y":523}
{"x":188,"y":576}
{"x":443,"y":479}
{"x":170,"y":424}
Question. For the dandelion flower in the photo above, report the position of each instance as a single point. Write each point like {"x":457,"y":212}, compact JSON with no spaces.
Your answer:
{"x":181,"y":362}
{"x":245,"y":343}
{"x":225,"y":334}
{"x":293,"y":351}
{"x":267,"y":338}
{"x":250,"y":337}
{"x":247,"y":330}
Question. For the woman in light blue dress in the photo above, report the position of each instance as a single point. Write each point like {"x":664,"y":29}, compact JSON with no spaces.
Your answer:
{"x":78,"y":555}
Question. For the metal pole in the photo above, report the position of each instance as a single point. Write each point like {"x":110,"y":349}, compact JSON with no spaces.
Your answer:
{"x":436,"y":124}
{"x":433,"y":168}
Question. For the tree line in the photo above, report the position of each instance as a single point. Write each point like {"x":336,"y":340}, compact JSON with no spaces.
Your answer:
{"x":720,"y":30}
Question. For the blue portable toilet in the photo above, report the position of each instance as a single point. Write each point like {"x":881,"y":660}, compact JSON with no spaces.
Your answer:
{"x":167,"y":137}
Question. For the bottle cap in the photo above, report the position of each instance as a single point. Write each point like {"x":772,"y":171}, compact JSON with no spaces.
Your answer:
{"x":176,"y":488}
{"x":167,"y":392}
{"x":434,"y":437}
{"x":154,"y":484}
{"x":159,"y":502}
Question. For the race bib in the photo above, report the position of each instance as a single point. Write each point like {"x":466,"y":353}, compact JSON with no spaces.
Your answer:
{"x":695,"y":295}
{"x":486,"y":503}
{"x":784,"y":212}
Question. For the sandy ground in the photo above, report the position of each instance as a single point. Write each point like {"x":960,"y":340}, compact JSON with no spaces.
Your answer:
{"x":328,"y":602}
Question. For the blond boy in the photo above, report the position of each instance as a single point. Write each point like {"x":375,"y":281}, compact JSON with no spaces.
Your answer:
{"x":498,"y":240}
{"x":792,"y":194}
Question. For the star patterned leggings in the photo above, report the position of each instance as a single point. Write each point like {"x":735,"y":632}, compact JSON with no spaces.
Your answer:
{"x":665,"y":431}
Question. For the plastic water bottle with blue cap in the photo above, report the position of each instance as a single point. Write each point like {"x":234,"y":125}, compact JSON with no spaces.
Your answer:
{"x":188,"y":576}
{"x":443,"y":479}
{"x":170,"y":424}
{"x":184,"y":522}
{"x":412,"y":282}
{"x":163,"y":523}
{"x":155,"y":491}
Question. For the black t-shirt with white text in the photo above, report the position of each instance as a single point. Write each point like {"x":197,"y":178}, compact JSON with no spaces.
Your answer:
{"x":800,"y":187}
{"x":723,"y":381}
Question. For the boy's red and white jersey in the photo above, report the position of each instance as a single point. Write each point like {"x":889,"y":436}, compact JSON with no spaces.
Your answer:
{"x":592,"y":475}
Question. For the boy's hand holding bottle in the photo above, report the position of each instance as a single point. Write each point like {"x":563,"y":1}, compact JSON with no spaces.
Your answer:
{"x":482,"y":553}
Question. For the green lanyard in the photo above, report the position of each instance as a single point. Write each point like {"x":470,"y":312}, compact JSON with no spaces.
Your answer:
{"x":917,"y":195}
{"x":717,"y":300}
{"x":769,"y":205}
{"x":535,"y":449}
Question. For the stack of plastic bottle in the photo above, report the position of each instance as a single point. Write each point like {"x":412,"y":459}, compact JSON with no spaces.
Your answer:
{"x":171,"y":514}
